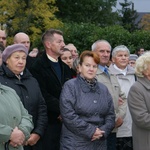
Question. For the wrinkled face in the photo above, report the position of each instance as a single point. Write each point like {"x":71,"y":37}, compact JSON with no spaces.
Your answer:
{"x":103,"y":50}
{"x":73,"y":51}
{"x":121,"y":59}
{"x":66,"y":57}
{"x":88,"y":68}
{"x":3,"y":38}
{"x":146,"y":73}
{"x":132,"y":63}
{"x":56,"y":46}
{"x":16,"y":62}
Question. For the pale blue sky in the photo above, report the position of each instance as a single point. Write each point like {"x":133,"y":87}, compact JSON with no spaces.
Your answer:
{"x":139,"y":5}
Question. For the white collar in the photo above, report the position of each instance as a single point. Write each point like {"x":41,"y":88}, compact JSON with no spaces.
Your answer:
{"x":124,"y":71}
{"x":51,"y":58}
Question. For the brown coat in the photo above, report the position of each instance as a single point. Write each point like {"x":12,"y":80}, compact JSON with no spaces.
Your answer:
{"x":139,"y":105}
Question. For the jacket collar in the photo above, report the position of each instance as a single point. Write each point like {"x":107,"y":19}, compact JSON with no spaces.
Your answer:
{"x":99,"y":72}
{"x":46,"y":61}
{"x":144,"y":81}
{"x":9,"y":73}
{"x":86,"y":87}
{"x":130,"y":70}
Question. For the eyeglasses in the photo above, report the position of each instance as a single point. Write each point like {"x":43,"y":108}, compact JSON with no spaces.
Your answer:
{"x":3,"y":38}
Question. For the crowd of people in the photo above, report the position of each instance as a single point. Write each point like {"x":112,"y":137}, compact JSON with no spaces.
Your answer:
{"x":63,"y":100}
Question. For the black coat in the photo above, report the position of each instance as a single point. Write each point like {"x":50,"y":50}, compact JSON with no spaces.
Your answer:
{"x":49,"y":83}
{"x":30,"y":61}
{"x":29,"y":92}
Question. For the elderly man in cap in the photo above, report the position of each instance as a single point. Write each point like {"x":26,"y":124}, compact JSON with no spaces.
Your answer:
{"x":132,"y":60}
{"x":14,"y":74}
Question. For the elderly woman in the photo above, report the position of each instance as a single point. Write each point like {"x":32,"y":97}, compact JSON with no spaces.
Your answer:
{"x":86,"y":108}
{"x":15,"y":122}
{"x":126,"y":77}
{"x":139,"y":104}
{"x":14,"y":74}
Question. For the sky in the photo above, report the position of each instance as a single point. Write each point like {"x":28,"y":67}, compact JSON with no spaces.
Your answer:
{"x":139,"y":5}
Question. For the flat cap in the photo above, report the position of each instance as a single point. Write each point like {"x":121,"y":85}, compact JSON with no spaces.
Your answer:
{"x":133,"y":57}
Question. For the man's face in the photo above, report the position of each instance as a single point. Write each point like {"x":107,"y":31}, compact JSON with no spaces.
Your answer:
{"x":121,"y":59}
{"x":103,"y":50}
{"x":3,"y":38}
{"x":74,"y":51}
{"x":141,"y":51}
{"x":24,"y":39}
{"x":57,"y":45}
{"x":132,"y":63}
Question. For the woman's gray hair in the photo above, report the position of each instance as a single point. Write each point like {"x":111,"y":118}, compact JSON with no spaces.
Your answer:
{"x":119,"y":48}
{"x":76,"y":64}
{"x":142,"y":64}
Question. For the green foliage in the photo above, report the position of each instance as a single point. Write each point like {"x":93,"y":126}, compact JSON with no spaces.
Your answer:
{"x":97,"y":12}
{"x":141,"y":39}
{"x":128,"y":16}
{"x":31,"y":17}
{"x":85,"y":22}
{"x":116,"y":35}
{"x":84,"y":35}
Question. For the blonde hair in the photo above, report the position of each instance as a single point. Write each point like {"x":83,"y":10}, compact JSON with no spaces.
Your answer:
{"x":142,"y":64}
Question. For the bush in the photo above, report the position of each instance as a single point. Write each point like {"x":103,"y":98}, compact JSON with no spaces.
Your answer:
{"x":83,"y":35}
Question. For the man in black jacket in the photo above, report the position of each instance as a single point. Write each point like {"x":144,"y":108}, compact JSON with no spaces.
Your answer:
{"x":51,"y":74}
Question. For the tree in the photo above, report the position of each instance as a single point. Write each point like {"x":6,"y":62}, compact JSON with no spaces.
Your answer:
{"x":128,"y":16}
{"x":84,"y":34}
{"x":145,"y":22}
{"x":97,"y":12}
{"x":31,"y":17}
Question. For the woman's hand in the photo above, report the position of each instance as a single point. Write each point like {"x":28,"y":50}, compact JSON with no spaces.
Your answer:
{"x":98,"y":134}
{"x":17,"y":137}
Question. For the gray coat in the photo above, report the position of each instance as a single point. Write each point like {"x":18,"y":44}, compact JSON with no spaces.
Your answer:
{"x":114,"y":88}
{"x":83,"y":109}
{"x":139,"y":105}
